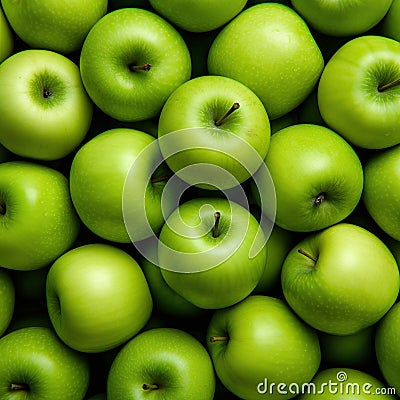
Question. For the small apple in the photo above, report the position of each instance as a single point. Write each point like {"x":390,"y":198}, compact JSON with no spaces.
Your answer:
{"x":260,"y":341}
{"x":6,"y":38}
{"x":390,"y":26}
{"x":340,"y":280}
{"x":359,"y":92}
{"x":162,"y":363}
{"x":7,"y":300}
{"x":35,"y":364}
{"x":97,"y":297}
{"x":131,"y":61}
{"x":38,"y":221}
{"x":46,"y":89}
{"x":52,"y":24}
{"x":269,"y":48}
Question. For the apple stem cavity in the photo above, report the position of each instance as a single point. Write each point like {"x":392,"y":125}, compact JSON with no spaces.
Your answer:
{"x":308,"y":255}
{"x":234,"y":107}
{"x":144,"y":67}
{"x":47,"y":93}
{"x":162,"y":178}
{"x":319,"y":199}
{"x":2,"y":209}
{"x":215,"y":231}
{"x":382,"y":88}
{"x":218,"y":339}
{"x":153,"y":386}
{"x":14,"y":387}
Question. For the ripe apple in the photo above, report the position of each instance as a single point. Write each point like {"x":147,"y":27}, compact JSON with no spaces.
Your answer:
{"x":6,"y":38}
{"x":340,"y":280}
{"x":270,"y":49}
{"x":387,"y":346}
{"x":97,"y":297}
{"x":35,"y":364}
{"x":318,"y":177}
{"x":381,"y":183}
{"x":52,"y":24}
{"x":38,"y":221}
{"x":162,"y":363}
{"x":218,"y":121}
{"x":131,"y":61}
{"x":212,"y":252}
{"x":196,"y":16}
{"x":342,"y":17}
{"x":359,"y":92}
{"x":46,"y":88}
{"x":260,"y":341}
{"x":7,"y":300}
{"x":390,"y":26}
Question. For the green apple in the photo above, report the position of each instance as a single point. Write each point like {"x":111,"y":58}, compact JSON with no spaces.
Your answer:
{"x":381,"y":185}
{"x":270,"y":49}
{"x":218,"y":121}
{"x":342,"y":17}
{"x":340,"y":280}
{"x":38,"y":221}
{"x":162,"y":363}
{"x":198,"y":16}
{"x":46,"y":88}
{"x":36,"y":365}
{"x":7,"y":300}
{"x":359,"y":92}
{"x":97,"y":181}
{"x":55,"y":25}
{"x":6,"y":38}
{"x":97,"y":297}
{"x":345,"y":384}
{"x":318,"y":177}
{"x":212,"y":252}
{"x":260,"y":342}
{"x":131,"y":61}
{"x":387,"y":346}
{"x":390,"y":26}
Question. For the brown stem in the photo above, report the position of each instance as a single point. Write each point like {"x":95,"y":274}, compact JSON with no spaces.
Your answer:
{"x":144,"y":67}
{"x":218,"y":339}
{"x":13,"y":387}
{"x":234,"y":107}
{"x":2,"y":209}
{"x":382,"y":88}
{"x":215,"y":232}
{"x":154,"y":386}
{"x":308,"y":255}
{"x":319,"y":199}
{"x":161,"y":178}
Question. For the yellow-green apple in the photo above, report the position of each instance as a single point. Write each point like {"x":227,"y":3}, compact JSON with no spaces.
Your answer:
{"x":7,"y":300}
{"x":340,"y":280}
{"x":6,"y":38}
{"x":46,"y":89}
{"x":270,"y":49}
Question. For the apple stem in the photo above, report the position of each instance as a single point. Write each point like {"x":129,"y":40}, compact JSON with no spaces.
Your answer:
{"x":218,"y":339}
{"x":144,"y":67}
{"x":215,"y":231}
{"x":18,"y":386}
{"x":234,"y":107}
{"x":319,"y":199}
{"x":308,"y":255}
{"x":2,"y":209}
{"x":161,"y":178}
{"x":150,"y":387}
{"x":382,"y":88}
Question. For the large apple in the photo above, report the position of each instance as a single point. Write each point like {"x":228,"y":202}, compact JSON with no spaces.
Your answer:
{"x":131,"y":61}
{"x":340,"y":280}
{"x":359,"y":92}
{"x":7,"y":300}
{"x":212,"y":252}
{"x":342,"y":17}
{"x":218,"y":121}
{"x":198,"y":16}
{"x":387,"y":346}
{"x":258,"y":343}
{"x":46,"y":89}
{"x":6,"y":38}
{"x":35,"y":364}
{"x":318,"y":177}
{"x":270,"y":49}
{"x":381,"y":185}
{"x":162,"y":363}
{"x":97,"y":297}
{"x":56,"y":25}
{"x":38,"y":221}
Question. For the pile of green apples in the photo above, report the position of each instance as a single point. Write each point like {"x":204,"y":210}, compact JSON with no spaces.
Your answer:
{"x":199,"y":199}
